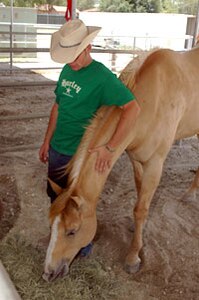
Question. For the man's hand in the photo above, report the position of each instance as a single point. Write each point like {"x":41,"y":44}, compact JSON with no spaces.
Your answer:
{"x":104,"y":157}
{"x":43,"y":152}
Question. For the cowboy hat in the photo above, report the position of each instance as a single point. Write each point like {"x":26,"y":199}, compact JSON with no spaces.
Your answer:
{"x":70,"y":40}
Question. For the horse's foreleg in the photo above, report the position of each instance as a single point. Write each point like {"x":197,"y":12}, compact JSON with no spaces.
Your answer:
{"x":152,"y":171}
{"x":138,"y":172}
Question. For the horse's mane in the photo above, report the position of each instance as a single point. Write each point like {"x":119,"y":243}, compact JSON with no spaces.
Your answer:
{"x":74,"y":166}
{"x":130,"y":72}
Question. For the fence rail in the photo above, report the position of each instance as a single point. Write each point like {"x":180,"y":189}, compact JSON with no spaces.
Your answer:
{"x":18,"y":42}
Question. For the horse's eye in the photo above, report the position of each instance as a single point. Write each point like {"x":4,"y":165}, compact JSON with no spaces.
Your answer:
{"x":70,"y":232}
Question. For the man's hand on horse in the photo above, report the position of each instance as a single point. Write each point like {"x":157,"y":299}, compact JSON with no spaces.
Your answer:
{"x":104,"y":157}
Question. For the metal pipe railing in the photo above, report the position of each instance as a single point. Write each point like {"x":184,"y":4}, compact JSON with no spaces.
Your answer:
{"x":135,"y":40}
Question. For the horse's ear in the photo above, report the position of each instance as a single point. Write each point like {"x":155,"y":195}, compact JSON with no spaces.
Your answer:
{"x":78,"y":200}
{"x":55,"y":187}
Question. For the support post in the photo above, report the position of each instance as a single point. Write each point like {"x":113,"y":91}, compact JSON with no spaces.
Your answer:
{"x":7,"y":288}
{"x":196,"y":30}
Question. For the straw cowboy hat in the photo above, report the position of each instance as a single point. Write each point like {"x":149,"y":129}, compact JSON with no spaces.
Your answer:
{"x":70,"y":40}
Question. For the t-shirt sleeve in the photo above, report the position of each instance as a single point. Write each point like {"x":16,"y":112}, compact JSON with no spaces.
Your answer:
{"x":115,"y":92}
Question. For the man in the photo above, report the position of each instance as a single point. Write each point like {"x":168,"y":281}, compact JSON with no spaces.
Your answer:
{"x":83,"y":87}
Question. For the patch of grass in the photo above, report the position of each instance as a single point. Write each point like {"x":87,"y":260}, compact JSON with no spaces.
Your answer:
{"x":87,"y":280}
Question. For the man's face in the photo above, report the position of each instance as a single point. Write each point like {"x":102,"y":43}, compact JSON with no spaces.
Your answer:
{"x":80,"y":61}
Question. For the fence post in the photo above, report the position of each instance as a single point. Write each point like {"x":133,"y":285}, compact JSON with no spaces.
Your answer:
{"x":113,"y":62}
{"x":11,"y":38}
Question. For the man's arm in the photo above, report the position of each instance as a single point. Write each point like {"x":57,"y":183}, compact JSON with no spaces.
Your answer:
{"x":130,"y":112}
{"x":128,"y":117}
{"x":43,"y":152}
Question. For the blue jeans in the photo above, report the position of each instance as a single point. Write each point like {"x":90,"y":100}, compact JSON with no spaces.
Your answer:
{"x":56,"y":167}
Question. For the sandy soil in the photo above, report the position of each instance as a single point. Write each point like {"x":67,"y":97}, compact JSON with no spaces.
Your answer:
{"x":171,"y":237}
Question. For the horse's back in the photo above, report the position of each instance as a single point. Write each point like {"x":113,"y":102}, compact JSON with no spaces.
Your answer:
{"x":167,"y":89}
{"x":188,"y":91}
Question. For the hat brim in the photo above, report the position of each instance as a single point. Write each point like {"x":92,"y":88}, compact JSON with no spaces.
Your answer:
{"x":68,"y":55}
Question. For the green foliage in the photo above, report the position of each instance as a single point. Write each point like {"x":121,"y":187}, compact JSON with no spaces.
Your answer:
{"x":143,"y":6}
{"x":115,"y":6}
{"x":169,"y":6}
{"x":188,"y":6}
{"x":150,"y":6}
{"x":138,"y":6}
{"x":85,"y":4}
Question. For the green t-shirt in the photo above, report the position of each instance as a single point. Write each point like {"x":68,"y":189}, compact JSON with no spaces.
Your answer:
{"x":79,"y":95}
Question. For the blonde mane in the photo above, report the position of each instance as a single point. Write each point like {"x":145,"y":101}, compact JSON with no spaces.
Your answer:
{"x":90,"y":135}
{"x":130,"y":72}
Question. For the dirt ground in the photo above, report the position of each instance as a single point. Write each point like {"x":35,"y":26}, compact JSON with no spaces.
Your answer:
{"x":170,"y":256}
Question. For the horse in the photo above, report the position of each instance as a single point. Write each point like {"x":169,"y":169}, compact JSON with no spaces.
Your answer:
{"x":166,"y":88}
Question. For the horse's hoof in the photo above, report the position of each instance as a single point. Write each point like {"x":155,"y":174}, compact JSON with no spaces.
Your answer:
{"x":132,"y":269}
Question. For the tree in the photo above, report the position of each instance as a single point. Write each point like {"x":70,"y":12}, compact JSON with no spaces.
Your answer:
{"x":85,"y":4}
{"x":155,"y":6}
{"x":169,"y":6}
{"x":142,"y":6}
{"x":115,"y":6}
{"x":138,"y":6}
{"x":188,"y":7}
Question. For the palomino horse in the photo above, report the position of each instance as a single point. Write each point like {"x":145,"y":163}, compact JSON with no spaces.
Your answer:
{"x":166,"y":87}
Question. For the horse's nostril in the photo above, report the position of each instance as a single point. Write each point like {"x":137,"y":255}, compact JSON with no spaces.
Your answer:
{"x":46,"y":276}
{"x":64,"y":271}
{"x":49,"y":276}
{"x":59,"y":272}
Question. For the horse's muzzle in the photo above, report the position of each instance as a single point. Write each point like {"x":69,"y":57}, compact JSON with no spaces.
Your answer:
{"x":60,"y":272}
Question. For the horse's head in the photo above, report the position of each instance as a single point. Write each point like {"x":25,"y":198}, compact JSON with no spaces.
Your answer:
{"x":73,"y":226}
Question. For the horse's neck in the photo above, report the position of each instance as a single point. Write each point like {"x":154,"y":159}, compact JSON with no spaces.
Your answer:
{"x":90,"y":183}
{"x":97,"y":133}
{"x":87,"y":181}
